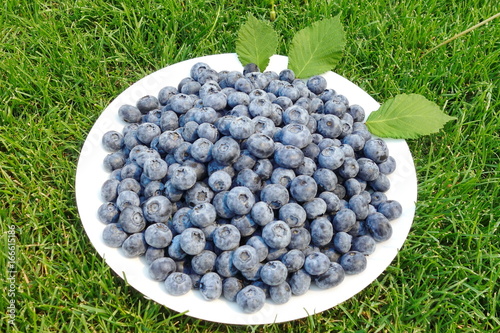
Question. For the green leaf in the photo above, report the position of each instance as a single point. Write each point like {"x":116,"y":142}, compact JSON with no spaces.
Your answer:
{"x":407,"y":116}
{"x":256,"y":43}
{"x":317,"y":49}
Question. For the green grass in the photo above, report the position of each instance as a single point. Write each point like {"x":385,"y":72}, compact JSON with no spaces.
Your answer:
{"x":62,"y":62}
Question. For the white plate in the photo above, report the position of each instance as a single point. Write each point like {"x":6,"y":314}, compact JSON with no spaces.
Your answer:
{"x":90,"y":176}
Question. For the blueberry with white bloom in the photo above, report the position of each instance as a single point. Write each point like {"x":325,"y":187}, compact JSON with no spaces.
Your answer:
{"x":113,"y":235}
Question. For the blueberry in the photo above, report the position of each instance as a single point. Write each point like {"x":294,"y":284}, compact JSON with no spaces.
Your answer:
{"x":262,"y":213}
{"x":280,"y":294}
{"x":114,"y":161}
{"x":299,"y":282}
{"x":332,"y":201}
{"x":245,"y":224}
{"x":240,"y":200}
{"x":283,"y":176}
{"x":129,"y":184}
{"x":329,"y":126}
{"x":251,"y":299}
{"x":353,"y":262}
{"x":379,"y":227}
{"x":113,"y":235}
{"x":273,"y":273}
{"x":381,"y":184}
{"x":245,"y":161}
{"x":335,"y":108}
{"x":224,"y":264}
{"x":183,"y":178}
{"x":303,"y":188}
{"x":131,"y":170}
{"x":276,"y":254}
{"x":203,"y":215}
{"x":198,"y":194}
{"x":258,"y":243}
{"x":249,"y":179}
{"x":168,"y":141}
{"x":216,"y":101}
{"x":230,"y":288}
{"x":238,"y":98}
{"x":260,"y":145}
{"x":226,"y":150}
{"x":391,"y":209}
{"x":316,"y":263}
{"x":112,"y":141}
{"x":134,"y":245}
{"x":361,"y":129}
{"x":326,"y":179}
{"x":293,"y":215}
{"x":208,"y":131}
{"x":131,"y":219}
{"x":245,"y":258}
{"x":321,"y":231}
{"x":189,"y":131}
{"x":153,"y":253}
{"x":287,"y":75}
{"x":180,"y":220}
{"x":289,"y":157}
{"x":296,"y":115}
{"x":197,"y":69}
{"x":147,"y":131}
{"x":264,"y":126}
{"x":108,"y":213}
{"x":359,"y":205}
{"x":297,"y":135}
{"x":376,"y":150}
{"x":289,"y":91}
{"x":181,"y":103}
{"x":219,"y":202}
{"x":166,"y":93}
{"x":312,"y":151}
{"x":388,"y":166}
{"x":109,"y":190}
{"x":275,"y":195}
{"x":377,"y":198}
{"x":192,"y":241}
{"x":293,"y":260}
{"x":130,"y":113}
{"x":243,"y":84}
{"x":364,"y":244}
{"x":203,"y":262}
{"x":343,"y":220}
{"x":226,"y":237}
{"x":331,"y":158}
{"x":158,"y":235}
{"x":201,"y":150}
{"x":160,"y":268}
{"x":277,"y":234}
{"x":220,"y":181}
{"x":252,"y":274}
{"x":331,"y":278}
{"x":178,"y":284}
{"x":172,"y":193}
{"x":260,"y":107}
{"x":327,"y":142}
{"x":263,"y":168}
{"x":368,"y":169}
{"x":357,"y":112}
{"x":352,"y":186}
{"x":155,"y":168}
{"x":316,"y":84}
{"x":174,"y":250}
{"x":342,"y":242}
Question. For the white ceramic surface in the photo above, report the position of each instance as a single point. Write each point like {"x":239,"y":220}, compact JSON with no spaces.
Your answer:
{"x":91,"y":175}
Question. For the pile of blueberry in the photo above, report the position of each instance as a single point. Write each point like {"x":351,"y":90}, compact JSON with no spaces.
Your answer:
{"x":246,"y":185}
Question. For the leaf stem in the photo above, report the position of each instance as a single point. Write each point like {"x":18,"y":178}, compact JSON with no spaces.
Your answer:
{"x":462,"y":33}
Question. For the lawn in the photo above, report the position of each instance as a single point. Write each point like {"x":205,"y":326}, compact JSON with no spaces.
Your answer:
{"x":62,"y":62}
